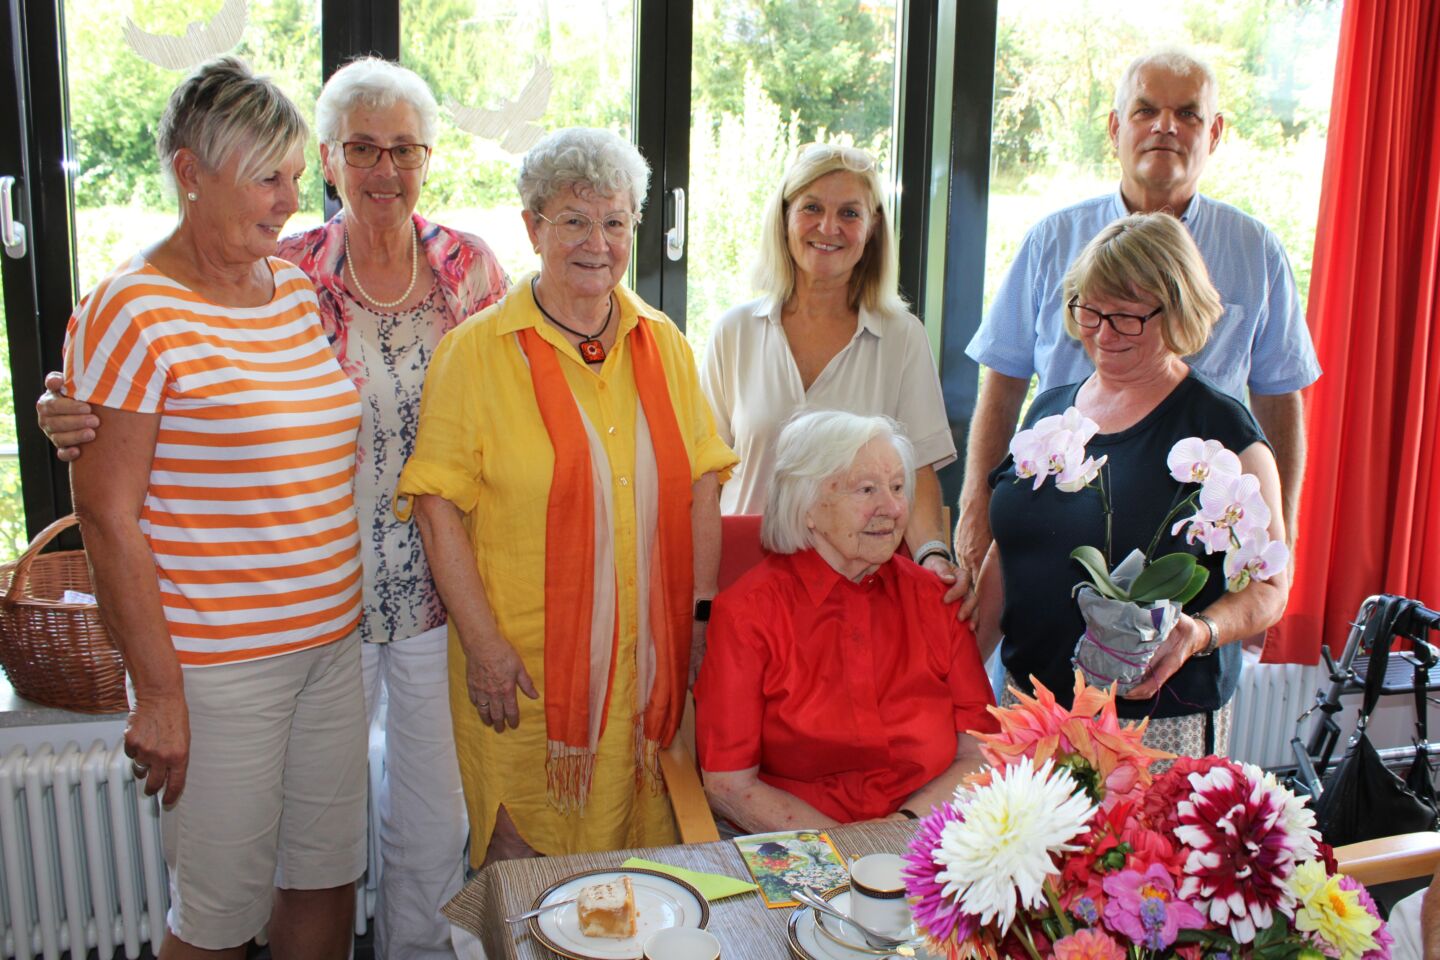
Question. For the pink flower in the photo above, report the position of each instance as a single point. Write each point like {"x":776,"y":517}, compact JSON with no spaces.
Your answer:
{"x":1257,"y":558}
{"x":1234,"y":503}
{"x":1144,"y":908}
{"x":1193,"y":460}
{"x":1087,"y":945}
{"x":1241,"y":848}
{"x":938,"y":915}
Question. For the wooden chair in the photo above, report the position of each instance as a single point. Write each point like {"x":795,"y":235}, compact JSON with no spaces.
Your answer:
{"x":1387,"y":859}
{"x":739,"y":551}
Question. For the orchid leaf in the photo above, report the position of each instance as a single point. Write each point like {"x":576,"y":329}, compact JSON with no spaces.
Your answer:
{"x":1197,"y":583}
{"x":1165,"y":577}
{"x":1094,"y":563}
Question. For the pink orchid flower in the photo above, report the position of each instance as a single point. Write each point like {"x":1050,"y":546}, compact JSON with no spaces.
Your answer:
{"x":1077,"y":476}
{"x":1193,"y":460}
{"x":1031,"y":451}
{"x":1234,"y":503}
{"x":1257,"y":558}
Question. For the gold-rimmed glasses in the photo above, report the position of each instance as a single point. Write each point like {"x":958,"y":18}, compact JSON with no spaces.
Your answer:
{"x":573,"y":228}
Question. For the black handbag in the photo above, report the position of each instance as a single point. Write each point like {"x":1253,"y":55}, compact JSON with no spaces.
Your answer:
{"x":1362,"y":798}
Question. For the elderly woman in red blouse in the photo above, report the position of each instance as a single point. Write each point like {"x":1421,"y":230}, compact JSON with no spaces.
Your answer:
{"x":838,"y":686}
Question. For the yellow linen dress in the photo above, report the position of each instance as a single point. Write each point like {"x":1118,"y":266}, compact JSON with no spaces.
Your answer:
{"x":483,"y":446}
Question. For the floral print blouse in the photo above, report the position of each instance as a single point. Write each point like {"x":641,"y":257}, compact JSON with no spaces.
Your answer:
{"x":385,"y":353}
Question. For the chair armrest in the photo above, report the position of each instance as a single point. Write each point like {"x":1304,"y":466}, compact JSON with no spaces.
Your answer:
{"x":1386,"y":859}
{"x":687,"y":797}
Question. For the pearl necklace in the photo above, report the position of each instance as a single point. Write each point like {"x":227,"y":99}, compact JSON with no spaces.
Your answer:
{"x":414,"y":271}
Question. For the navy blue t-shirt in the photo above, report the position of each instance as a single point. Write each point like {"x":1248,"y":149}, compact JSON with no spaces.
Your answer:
{"x":1035,"y":530}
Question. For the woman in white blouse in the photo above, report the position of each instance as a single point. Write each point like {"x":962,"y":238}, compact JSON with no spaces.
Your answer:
{"x":829,"y":331}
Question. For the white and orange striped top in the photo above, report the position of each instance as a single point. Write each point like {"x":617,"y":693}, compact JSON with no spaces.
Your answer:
{"x":250,"y":512}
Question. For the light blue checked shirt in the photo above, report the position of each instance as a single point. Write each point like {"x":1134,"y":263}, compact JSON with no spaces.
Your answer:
{"x":1261,"y":341}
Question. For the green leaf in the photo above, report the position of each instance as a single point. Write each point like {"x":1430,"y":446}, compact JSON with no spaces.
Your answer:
{"x":1094,"y":563}
{"x":1192,"y":590}
{"x":1164,"y":578}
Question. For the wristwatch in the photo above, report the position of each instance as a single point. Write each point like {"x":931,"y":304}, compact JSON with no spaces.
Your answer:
{"x":1214,"y":643}
{"x":702,"y":611}
{"x":933,"y":548}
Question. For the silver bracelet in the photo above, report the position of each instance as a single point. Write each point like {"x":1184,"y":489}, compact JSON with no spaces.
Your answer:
{"x":1214,"y":643}
{"x":923,"y":552}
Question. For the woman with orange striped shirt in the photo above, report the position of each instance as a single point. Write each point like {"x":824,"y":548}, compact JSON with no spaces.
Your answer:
{"x":219,"y":521}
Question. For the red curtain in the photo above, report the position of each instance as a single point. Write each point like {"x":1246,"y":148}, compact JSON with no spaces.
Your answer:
{"x":1370,"y":508}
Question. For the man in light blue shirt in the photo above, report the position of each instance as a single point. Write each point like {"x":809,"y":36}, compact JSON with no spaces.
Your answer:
{"x":1164,"y":126}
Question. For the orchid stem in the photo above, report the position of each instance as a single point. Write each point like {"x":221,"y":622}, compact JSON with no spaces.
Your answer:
{"x":1105,"y":506}
{"x":1165,"y":524}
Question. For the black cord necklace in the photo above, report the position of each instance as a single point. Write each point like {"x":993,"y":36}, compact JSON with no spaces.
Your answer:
{"x":590,"y":347}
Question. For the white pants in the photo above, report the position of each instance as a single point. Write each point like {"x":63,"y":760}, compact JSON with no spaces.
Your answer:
{"x":423,"y":826}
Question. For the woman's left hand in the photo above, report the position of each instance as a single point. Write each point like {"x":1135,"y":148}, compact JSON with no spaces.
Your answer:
{"x":1187,"y":636}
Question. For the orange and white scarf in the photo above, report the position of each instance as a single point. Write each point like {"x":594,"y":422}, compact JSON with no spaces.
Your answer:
{"x":581,"y":602}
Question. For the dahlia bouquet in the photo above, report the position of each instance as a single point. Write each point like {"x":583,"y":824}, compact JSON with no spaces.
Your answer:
{"x":1129,"y":608}
{"x":1067,"y":846}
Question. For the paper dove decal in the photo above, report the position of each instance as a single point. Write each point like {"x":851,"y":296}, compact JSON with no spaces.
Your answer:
{"x":200,"y":42}
{"x":510,"y":122}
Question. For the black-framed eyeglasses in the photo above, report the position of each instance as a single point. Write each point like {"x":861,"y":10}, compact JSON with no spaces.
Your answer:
{"x":405,"y":156}
{"x":575,"y":228}
{"x":1125,"y":324}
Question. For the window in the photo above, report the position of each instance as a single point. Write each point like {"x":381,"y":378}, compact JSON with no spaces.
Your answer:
{"x":768,"y":76}
{"x":1056,"y":66}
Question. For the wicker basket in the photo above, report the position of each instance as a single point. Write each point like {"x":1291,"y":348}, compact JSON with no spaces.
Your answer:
{"x":57,"y":653}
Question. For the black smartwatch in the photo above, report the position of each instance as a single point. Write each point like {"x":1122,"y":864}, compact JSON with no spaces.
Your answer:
{"x":702,"y":611}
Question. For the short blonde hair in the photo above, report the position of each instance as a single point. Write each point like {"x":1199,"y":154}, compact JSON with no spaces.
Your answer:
{"x":813,"y":447}
{"x":1149,"y":253}
{"x":221,"y":110}
{"x":875,"y":282}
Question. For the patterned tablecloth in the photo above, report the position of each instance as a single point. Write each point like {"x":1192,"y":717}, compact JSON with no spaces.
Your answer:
{"x":745,"y":928}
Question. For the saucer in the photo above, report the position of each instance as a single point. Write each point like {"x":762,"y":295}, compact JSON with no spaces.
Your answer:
{"x":813,"y":936}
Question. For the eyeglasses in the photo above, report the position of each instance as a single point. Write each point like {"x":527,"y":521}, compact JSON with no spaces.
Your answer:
{"x":405,"y":156}
{"x":575,"y":228}
{"x":1125,"y":324}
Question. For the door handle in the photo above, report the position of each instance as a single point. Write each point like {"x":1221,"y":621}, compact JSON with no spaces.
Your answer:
{"x":12,"y":231}
{"x":675,"y":236}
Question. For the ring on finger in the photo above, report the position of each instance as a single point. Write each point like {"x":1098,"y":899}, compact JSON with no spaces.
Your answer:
{"x":140,"y":770}
{"x":482,"y":703}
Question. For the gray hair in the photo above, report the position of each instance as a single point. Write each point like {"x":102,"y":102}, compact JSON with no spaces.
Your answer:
{"x":1178,"y":61}
{"x":812,"y":449}
{"x":604,"y":161}
{"x":874,"y":283}
{"x":221,"y":110}
{"x":378,"y":85}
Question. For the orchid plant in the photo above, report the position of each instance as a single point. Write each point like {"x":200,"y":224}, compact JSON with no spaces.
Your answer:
{"x":1069,"y":846}
{"x":1230,"y":514}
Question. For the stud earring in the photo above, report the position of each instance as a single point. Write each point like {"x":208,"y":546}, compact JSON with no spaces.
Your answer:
{"x":192,"y":196}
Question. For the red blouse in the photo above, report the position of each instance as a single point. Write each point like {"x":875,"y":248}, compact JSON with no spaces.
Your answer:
{"x":847,"y":695}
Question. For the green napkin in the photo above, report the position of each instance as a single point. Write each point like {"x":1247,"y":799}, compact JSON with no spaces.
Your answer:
{"x":714,"y":886}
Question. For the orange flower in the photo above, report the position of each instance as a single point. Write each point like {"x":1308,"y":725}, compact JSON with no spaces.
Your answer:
{"x":1088,"y":734}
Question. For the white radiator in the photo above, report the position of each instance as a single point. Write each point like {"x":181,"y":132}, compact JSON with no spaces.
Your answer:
{"x":1268,"y":701}
{"x":80,"y":858}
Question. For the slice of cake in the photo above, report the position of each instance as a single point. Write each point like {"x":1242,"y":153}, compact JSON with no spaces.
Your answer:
{"x":607,"y":909}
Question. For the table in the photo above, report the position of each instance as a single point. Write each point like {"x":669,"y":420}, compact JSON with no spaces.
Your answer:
{"x":745,"y":928}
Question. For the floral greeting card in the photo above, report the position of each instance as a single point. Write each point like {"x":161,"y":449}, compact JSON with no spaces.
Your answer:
{"x":784,"y":862}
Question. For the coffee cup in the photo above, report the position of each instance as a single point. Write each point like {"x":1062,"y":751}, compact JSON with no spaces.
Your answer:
{"x":877,"y":893}
{"x":682,"y":943}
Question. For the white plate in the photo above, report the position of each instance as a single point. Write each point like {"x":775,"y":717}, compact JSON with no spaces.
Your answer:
{"x":660,"y":901}
{"x":809,"y":941}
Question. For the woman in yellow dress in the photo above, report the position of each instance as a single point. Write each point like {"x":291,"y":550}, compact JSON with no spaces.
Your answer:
{"x":565,"y":479}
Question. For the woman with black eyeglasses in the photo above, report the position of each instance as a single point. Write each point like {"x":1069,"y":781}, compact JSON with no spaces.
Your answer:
{"x":389,"y":285}
{"x":1139,"y":300}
